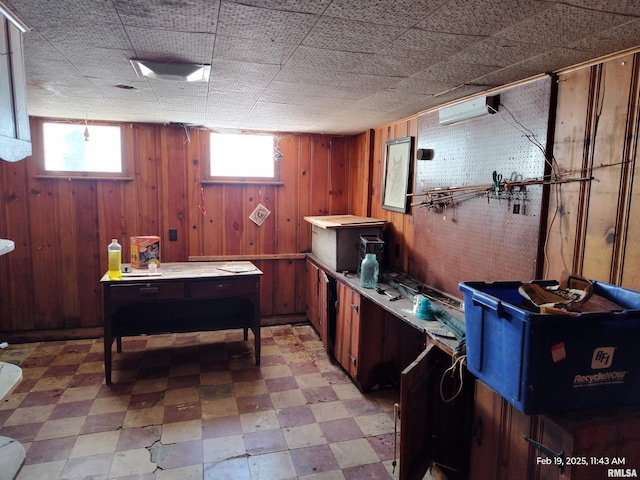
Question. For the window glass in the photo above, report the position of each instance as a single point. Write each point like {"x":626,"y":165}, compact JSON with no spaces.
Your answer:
{"x":81,"y":148}
{"x":242,"y":156}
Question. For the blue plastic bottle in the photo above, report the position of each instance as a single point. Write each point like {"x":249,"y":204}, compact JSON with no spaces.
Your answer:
{"x":369,"y":271}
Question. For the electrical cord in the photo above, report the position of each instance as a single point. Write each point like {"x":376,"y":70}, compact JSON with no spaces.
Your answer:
{"x":457,"y":363}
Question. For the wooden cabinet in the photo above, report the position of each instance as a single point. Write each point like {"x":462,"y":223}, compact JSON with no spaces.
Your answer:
{"x":435,"y":421}
{"x":506,"y":443}
{"x":371,"y":344}
{"x":347,"y":341}
{"x":318,"y":300}
{"x":15,"y":137}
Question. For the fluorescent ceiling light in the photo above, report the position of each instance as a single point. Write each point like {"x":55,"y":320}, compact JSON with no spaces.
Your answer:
{"x":13,"y":18}
{"x":177,"y":72}
{"x":467,"y":110}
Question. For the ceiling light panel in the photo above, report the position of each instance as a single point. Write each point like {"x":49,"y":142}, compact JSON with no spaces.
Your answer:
{"x":176,"y":72}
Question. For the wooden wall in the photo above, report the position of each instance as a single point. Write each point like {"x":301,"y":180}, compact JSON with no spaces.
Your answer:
{"x":593,"y":226}
{"x":61,"y":227}
{"x":399,"y":231}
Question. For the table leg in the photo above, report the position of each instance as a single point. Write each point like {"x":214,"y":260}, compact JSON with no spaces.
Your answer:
{"x":108,"y":341}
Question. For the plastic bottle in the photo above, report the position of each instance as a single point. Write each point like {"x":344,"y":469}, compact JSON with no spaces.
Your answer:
{"x":369,"y":271}
{"x":115,"y":259}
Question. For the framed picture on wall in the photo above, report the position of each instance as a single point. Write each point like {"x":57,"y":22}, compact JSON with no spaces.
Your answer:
{"x":397,"y":173}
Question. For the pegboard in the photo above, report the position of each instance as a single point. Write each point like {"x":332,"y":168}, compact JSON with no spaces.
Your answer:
{"x":482,"y":238}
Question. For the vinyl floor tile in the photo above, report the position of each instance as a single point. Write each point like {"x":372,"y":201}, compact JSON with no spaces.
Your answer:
{"x":195,"y":406}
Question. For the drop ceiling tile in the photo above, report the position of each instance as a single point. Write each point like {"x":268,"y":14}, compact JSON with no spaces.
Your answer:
{"x":393,"y":66}
{"x":167,"y":88}
{"x":374,"y":52}
{"x":387,"y":100}
{"x":241,"y":99}
{"x":299,"y":91}
{"x":242,"y":21}
{"x":186,"y":117}
{"x":499,"y":53}
{"x":561,"y":26}
{"x":402,"y":13}
{"x":628,"y":7}
{"x":178,"y":104}
{"x":262,"y":109}
{"x":306,"y":75}
{"x":480,"y":17}
{"x":140,"y":93}
{"x":321,"y":60}
{"x":183,"y":16}
{"x":36,"y":48}
{"x":615,"y":39}
{"x":134,"y":106}
{"x":71,"y":10}
{"x":79,"y":31}
{"x":429,"y":44}
{"x":452,"y":73}
{"x":222,"y":114}
{"x":249,"y":50}
{"x":301,"y":6}
{"x":359,"y":82}
{"x":351,"y":36}
{"x":161,"y":45}
{"x":556,"y":59}
{"x":243,"y":73}
{"x":420,"y":86}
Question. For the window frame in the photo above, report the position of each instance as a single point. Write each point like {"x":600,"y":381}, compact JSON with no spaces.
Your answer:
{"x":208,"y":178}
{"x":124,"y":174}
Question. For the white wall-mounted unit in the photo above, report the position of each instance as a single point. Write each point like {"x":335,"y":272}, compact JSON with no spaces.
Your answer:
{"x":473,"y":108}
{"x":6,"y":246}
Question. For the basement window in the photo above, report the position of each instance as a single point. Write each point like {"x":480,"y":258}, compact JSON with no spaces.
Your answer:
{"x":80,"y":150}
{"x":247,"y":158}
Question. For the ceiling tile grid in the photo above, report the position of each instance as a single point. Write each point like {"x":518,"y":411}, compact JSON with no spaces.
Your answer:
{"x":400,"y":13}
{"x":252,"y":51}
{"x":351,"y":36}
{"x":162,"y":45}
{"x":176,"y":15}
{"x":327,"y":66}
{"x":242,"y":21}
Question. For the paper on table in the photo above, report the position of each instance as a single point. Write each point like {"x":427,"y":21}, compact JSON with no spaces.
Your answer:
{"x":236,"y":268}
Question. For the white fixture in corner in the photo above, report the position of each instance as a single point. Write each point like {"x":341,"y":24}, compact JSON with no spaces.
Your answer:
{"x":473,"y":108}
{"x":6,"y":246}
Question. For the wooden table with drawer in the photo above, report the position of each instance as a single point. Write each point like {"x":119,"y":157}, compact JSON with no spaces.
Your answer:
{"x":182,"y":297}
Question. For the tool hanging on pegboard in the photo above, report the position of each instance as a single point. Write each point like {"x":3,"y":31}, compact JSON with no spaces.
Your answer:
{"x":512,"y":191}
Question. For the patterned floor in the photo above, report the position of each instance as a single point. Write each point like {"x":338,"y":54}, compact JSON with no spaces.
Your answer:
{"x":194,"y":406}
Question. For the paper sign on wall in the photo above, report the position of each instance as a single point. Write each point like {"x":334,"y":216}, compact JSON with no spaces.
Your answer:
{"x":259,"y":214}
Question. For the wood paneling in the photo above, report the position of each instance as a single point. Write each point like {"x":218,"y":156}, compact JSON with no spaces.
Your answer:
{"x":592,"y":224}
{"x":62,"y":227}
{"x":399,"y":232}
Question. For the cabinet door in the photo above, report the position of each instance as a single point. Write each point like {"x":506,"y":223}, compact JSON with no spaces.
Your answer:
{"x":433,"y":430}
{"x":323,"y":307}
{"x":498,"y":446}
{"x":347,"y":328}
{"x":313,"y":302}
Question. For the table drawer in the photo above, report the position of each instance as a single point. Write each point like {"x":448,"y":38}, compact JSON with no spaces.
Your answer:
{"x":142,"y":291}
{"x":224,"y":287}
